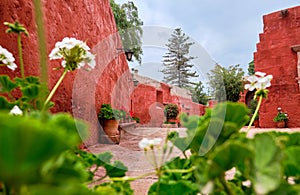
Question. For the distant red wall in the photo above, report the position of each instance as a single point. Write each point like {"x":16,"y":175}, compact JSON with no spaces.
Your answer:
{"x":275,"y":56}
{"x":92,"y":21}
{"x":147,"y":104}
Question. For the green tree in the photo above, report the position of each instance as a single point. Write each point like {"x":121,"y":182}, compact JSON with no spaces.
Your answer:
{"x":226,"y":84}
{"x":198,"y":94}
{"x":251,"y":70}
{"x":129,"y":26}
{"x":176,"y":62}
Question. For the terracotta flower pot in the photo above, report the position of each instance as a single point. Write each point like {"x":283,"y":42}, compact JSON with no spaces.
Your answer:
{"x":111,"y":129}
{"x":280,"y":124}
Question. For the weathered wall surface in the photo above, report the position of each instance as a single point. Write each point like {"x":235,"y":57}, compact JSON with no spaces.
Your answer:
{"x":92,"y":21}
{"x":150,"y":96}
{"x":275,"y":56}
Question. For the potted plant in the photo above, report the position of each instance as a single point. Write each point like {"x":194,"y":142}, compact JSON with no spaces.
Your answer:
{"x":281,"y":119}
{"x":171,"y":112}
{"x":109,"y":119}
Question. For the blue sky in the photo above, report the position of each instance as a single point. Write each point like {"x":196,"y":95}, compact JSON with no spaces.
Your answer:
{"x":227,"y":30}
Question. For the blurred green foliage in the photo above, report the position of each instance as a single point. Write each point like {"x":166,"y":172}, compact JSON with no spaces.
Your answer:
{"x":265,"y":164}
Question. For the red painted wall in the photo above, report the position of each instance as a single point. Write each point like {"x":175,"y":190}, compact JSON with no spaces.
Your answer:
{"x":148,"y":105}
{"x":275,"y":56}
{"x":92,"y":21}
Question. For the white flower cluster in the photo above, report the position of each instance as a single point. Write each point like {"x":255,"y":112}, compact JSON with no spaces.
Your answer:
{"x":7,"y":58}
{"x":16,"y":111}
{"x":148,"y":143}
{"x":75,"y":54}
{"x":258,"y":81}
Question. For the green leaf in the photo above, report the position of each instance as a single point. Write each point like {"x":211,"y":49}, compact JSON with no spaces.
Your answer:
{"x":267,"y":171}
{"x":118,"y":169}
{"x":294,"y":139}
{"x":173,"y":187}
{"x":114,"y":188}
{"x":66,"y":189}
{"x":231,"y":154}
{"x":6,"y":85}
{"x":66,"y":168}
{"x":292,"y":161}
{"x":181,"y":143}
{"x":31,"y":91}
{"x":216,"y":126}
{"x":105,"y":157}
{"x":26,"y":143}
{"x":178,"y":164}
{"x":4,"y":104}
{"x":265,"y":150}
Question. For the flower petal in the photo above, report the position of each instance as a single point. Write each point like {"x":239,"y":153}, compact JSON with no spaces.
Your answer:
{"x":16,"y":111}
{"x":260,"y":74}
{"x":12,"y":66}
{"x":144,"y":143}
{"x":252,"y":78}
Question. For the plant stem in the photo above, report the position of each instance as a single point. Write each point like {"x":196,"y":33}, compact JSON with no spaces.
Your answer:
{"x":180,"y":170}
{"x":224,"y":183}
{"x":55,"y":87}
{"x":155,"y":159}
{"x":21,"y":56}
{"x":126,"y":178}
{"x":42,"y":48}
{"x":6,"y":189}
{"x":255,"y":113}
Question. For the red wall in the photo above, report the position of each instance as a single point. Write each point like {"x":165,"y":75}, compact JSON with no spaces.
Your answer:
{"x":147,"y":106}
{"x":275,"y":56}
{"x":92,"y":21}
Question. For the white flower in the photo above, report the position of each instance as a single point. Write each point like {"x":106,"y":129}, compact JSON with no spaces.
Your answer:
{"x":74,"y":53}
{"x":145,"y":142}
{"x":16,"y":111}
{"x":258,"y":81}
{"x":260,"y":74}
{"x":7,"y":58}
{"x":264,"y":82}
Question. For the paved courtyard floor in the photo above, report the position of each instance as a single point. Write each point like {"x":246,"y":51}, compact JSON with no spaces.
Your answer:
{"x":134,"y":158}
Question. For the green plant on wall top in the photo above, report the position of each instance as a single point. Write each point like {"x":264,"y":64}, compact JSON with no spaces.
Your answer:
{"x":171,"y":111}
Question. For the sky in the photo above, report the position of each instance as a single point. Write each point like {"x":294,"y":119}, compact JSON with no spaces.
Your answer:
{"x":224,"y":31}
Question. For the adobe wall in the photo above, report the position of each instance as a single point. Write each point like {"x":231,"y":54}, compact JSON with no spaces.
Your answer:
{"x":275,"y":56}
{"x":150,"y":96}
{"x":92,"y":21}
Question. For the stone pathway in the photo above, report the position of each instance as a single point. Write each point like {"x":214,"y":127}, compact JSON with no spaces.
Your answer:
{"x":134,"y":158}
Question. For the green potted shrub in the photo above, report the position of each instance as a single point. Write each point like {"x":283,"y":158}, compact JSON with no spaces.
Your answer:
{"x":281,"y":119}
{"x":171,"y":112}
{"x":109,"y":119}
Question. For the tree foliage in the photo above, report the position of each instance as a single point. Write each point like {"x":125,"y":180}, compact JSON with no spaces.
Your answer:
{"x":129,"y":27}
{"x":251,"y":70}
{"x":198,"y":94}
{"x":176,"y":63}
{"x":226,"y":83}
